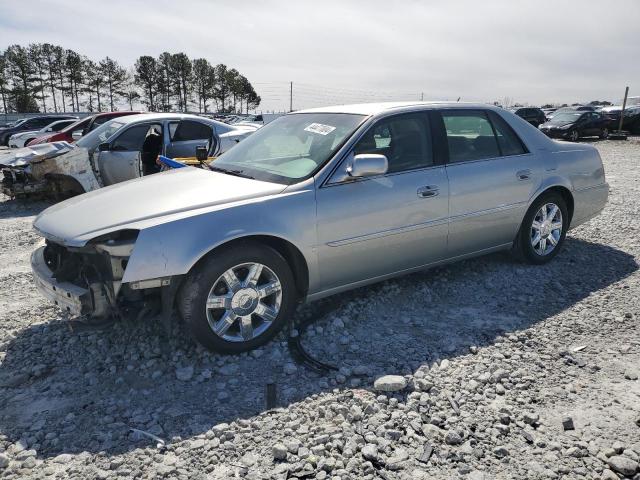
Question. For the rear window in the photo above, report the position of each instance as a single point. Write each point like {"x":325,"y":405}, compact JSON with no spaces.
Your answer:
{"x":189,"y":130}
{"x":469,"y":136}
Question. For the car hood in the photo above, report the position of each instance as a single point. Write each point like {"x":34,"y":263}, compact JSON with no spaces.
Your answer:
{"x":24,"y":133}
{"x":22,"y":157}
{"x":146,"y":202}
{"x":555,"y":125}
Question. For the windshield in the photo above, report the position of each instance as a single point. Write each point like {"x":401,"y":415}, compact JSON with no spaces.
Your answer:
{"x":99,"y":135}
{"x":291,"y":147}
{"x":566,"y":117}
{"x":75,"y":125}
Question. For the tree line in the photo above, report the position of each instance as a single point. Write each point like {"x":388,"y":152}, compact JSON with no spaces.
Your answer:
{"x":42,"y":77}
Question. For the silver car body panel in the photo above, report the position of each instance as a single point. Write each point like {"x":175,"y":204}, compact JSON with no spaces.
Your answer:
{"x":349,"y":234}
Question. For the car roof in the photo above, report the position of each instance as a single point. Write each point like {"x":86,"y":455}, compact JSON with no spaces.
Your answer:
{"x":377,"y":108}
{"x":159,"y":116}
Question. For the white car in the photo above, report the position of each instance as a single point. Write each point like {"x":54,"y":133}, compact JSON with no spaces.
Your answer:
{"x":21,"y":139}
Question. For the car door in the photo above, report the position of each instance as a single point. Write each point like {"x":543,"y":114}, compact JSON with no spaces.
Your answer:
{"x":122,"y":161}
{"x":491,"y":175}
{"x":186,"y":135}
{"x":371,"y":227}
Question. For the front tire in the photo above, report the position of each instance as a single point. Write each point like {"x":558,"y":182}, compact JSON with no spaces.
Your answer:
{"x":574,"y":135}
{"x":604,"y":134}
{"x":238,"y":298}
{"x":543,"y":229}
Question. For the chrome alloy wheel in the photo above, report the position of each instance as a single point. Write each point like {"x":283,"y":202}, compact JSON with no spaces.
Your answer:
{"x":243,"y":302}
{"x":546,"y":229}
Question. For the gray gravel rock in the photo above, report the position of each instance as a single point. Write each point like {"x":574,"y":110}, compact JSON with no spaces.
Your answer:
{"x":184,"y":374}
{"x":390,"y":383}
{"x":623,"y":465}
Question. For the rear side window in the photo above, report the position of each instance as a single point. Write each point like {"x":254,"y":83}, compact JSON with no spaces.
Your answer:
{"x":469,"y":136}
{"x":190,"y":130}
{"x":508,"y":140}
{"x":404,"y":139}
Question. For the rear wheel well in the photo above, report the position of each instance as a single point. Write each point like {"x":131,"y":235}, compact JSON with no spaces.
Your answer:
{"x":288,"y":250}
{"x":566,"y":196}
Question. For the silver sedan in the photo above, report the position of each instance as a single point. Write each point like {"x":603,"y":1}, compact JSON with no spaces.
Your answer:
{"x":315,"y":203}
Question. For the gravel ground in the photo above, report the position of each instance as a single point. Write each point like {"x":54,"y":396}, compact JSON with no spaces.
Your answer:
{"x":504,"y":370}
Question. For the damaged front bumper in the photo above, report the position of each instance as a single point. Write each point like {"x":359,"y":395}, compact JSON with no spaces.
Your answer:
{"x":16,"y":182}
{"x":71,"y":298}
{"x":87,"y":281}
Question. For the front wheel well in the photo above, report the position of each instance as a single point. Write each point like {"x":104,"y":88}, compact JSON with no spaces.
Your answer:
{"x":288,"y":250}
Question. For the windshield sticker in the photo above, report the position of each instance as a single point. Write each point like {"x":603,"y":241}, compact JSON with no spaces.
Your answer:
{"x":320,"y":128}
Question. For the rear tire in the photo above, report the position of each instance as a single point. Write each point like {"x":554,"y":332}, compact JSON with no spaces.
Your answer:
{"x":541,"y":235}
{"x":230,"y":317}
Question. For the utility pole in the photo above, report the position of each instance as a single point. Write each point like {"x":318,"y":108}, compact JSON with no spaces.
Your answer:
{"x":291,"y":97}
{"x":422,"y":97}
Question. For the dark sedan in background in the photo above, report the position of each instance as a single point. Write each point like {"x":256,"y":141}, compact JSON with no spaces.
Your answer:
{"x":534,"y":116}
{"x":572,"y":125}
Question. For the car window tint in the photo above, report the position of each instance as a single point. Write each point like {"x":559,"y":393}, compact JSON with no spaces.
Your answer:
{"x":469,"y":136}
{"x":172,"y":129}
{"x":190,"y":130}
{"x":404,"y":139}
{"x":510,"y":143}
{"x":131,"y":139}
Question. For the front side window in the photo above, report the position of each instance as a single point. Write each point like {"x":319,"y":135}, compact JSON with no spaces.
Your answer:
{"x":131,"y":139}
{"x":290,"y":148}
{"x":404,"y":139}
{"x":469,"y":136}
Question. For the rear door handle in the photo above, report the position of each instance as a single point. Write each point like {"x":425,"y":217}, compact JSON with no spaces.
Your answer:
{"x":428,"y":191}
{"x":523,"y":174}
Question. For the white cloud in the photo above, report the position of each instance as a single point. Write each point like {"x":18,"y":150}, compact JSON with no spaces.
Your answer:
{"x":336,"y":51}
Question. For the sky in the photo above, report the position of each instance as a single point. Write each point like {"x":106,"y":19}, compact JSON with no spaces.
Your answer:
{"x":336,"y":52}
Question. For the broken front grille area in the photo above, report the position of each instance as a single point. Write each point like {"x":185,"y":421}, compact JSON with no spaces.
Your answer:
{"x":76,"y":266}
{"x":11,"y":176}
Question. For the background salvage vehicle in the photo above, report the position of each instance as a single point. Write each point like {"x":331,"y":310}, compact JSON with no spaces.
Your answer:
{"x":534,"y":116}
{"x":27,"y":124}
{"x":79,"y":129}
{"x":120,"y":150}
{"x":315,"y":203}
{"x":19,"y":140}
{"x":576,"y":124}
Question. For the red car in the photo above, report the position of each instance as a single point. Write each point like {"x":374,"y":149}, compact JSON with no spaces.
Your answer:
{"x":79,"y":128}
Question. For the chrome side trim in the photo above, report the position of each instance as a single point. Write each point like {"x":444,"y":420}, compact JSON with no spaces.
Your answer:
{"x":490,"y":211}
{"x":386,"y":233}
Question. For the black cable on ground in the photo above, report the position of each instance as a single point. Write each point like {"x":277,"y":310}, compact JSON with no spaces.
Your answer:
{"x":300,"y":355}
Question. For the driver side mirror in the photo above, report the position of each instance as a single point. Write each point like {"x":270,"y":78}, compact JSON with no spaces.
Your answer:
{"x":104,"y":147}
{"x":367,"y":165}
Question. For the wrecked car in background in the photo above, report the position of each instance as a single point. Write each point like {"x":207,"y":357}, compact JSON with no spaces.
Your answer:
{"x":115,"y":152}
{"x":315,"y":203}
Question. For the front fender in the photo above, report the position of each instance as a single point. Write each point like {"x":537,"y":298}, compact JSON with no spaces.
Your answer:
{"x":173,"y":248}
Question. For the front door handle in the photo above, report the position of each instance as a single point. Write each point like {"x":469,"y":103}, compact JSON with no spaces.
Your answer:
{"x":428,"y":191}
{"x":523,"y":174}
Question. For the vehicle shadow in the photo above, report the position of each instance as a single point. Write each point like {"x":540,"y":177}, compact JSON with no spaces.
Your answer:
{"x":68,"y":392}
